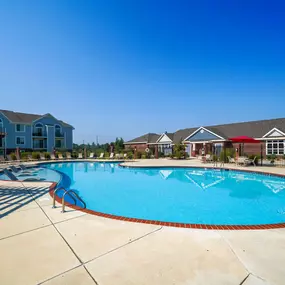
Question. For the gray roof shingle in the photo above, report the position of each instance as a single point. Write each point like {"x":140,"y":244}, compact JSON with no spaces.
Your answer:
{"x":255,"y":129}
{"x":146,"y":138}
{"x":17,"y":117}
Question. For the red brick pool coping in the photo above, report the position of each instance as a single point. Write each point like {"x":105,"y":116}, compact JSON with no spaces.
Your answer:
{"x":178,"y":225}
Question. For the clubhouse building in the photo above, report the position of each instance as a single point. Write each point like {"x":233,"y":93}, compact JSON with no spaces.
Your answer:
{"x":207,"y":139}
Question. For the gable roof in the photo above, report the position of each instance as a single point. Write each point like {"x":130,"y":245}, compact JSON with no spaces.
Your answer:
{"x":169,"y":135}
{"x":182,"y":134}
{"x":146,"y":138}
{"x":255,"y":129}
{"x":17,"y":117}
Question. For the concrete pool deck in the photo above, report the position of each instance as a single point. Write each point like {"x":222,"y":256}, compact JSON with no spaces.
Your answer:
{"x":40,"y":245}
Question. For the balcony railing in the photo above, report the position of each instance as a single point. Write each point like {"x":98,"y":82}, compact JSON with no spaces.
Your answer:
{"x":2,"y":131}
{"x":59,"y":135}
{"x":39,"y":134}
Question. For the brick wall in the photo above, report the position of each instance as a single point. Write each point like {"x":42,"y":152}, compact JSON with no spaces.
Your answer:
{"x":252,"y":148}
{"x":140,"y":147}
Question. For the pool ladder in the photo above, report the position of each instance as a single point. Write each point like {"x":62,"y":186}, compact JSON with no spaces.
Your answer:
{"x":69,"y":193}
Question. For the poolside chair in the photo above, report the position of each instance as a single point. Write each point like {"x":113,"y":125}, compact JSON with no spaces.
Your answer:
{"x":209,"y":158}
{"x":125,"y":156}
{"x":10,"y":159}
{"x":252,"y":161}
{"x":60,"y":156}
{"x":231,"y":160}
{"x":91,"y":155}
{"x":24,"y":168}
{"x":52,"y":156}
{"x":3,"y":160}
{"x":68,"y":155}
{"x":14,"y":178}
{"x":30,"y":158}
{"x":80,"y":155}
{"x":243,"y":161}
{"x":101,"y":155}
{"x":111,"y":155}
{"x":42,"y":156}
{"x":21,"y":172}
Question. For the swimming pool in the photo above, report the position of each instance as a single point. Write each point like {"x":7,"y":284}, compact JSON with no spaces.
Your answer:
{"x":178,"y":195}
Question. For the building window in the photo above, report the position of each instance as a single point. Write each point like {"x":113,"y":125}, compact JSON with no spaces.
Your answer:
{"x":57,"y":130}
{"x":275,"y":147}
{"x":58,"y":143}
{"x":20,"y":128}
{"x":20,"y":140}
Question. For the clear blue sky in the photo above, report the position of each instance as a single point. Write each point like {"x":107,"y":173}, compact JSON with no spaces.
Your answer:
{"x":125,"y":68}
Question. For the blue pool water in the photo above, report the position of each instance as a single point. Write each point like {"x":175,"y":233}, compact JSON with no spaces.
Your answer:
{"x":182,"y":195}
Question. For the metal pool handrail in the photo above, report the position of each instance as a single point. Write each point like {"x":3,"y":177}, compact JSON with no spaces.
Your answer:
{"x":61,"y":188}
{"x":76,"y":195}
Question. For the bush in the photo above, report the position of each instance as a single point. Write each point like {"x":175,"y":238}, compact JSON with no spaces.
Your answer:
{"x":106,"y":155}
{"x":130,"y":155}
{"x":74,"y":154}
{"x":179,"y":150}
{"x":160,"y":154}
{"x":24,"y":155}
{"x":47,"y":155}
{"x":35,"y":155}
{"x":225,"y":153}
{"x":13,"y":156}
{"x":143,"y":156}
{"x":138,"y":155}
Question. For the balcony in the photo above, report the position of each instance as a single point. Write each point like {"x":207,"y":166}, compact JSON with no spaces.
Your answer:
{"x":39,"y":134}
{"x":39,"y":144}
{"x":59,"y":135}
{"x":2,"y":132}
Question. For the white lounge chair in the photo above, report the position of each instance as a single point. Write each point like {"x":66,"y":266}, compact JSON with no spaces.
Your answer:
{"x":14,"y":178}
{"x":252,"y":161}
{"x":111,"y":155}
{"x":2,"y":160}
{"x":231,"y":160}
{"x":52,"y":156}
{"x":91,"y":155}
{"x":68,"y":155}
{"x":80,"y":155}
{"x":243,"y":161}
{"x":60,"y":156}
{"x":42,"y":156}
{"x":101,"y":155}
{"x":125,"y":156}
{"x":209,"y":158}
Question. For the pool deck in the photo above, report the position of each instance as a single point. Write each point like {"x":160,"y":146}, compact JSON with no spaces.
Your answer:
{"x":40,"y":245}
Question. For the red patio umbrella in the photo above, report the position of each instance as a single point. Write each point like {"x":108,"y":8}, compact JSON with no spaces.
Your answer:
{"x":244,"y":139}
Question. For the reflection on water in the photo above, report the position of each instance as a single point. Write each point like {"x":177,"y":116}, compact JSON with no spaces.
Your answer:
{"x":178,"y":194}
{"x":204,"y":179}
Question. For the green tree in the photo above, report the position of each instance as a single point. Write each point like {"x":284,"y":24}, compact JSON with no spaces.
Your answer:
{"x":179,"y":150}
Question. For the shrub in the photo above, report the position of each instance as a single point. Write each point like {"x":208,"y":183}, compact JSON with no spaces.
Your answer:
{"x":130,"y":155}
{"x":24,"y":155}
{"x":179,"y":150}
{"x":160,"y":154}
{"x":106,"y":155}
{"x":35,"y":155}
{"x":225,"y":153}
{"x":143,"y":156}
{"x":138,"y":155}
{"x":74,"y":154}
{"x":47,"y":155}
{"x":13,"y":156}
